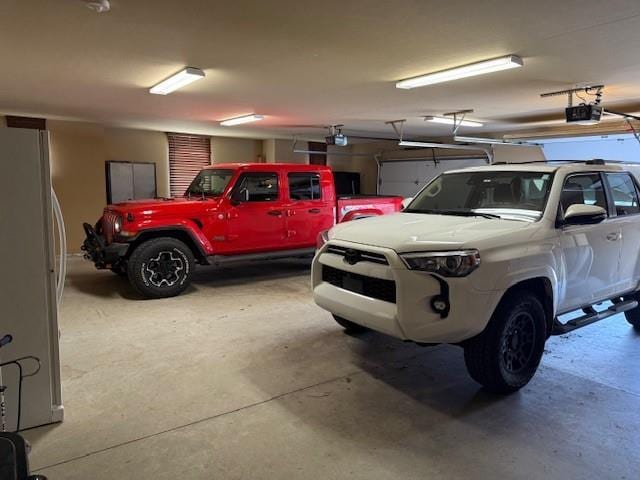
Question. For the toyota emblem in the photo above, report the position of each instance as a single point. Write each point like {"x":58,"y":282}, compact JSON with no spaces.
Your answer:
{"x":352,"y":256}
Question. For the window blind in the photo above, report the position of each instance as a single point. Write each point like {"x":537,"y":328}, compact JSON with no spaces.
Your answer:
{"x":188,"y":154}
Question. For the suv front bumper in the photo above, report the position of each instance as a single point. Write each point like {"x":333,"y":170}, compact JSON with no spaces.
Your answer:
{"x":96,"y":250}
{"x":412,"y":315}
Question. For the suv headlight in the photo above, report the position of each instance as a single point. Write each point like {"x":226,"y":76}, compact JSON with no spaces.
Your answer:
{"x":323,"y":237}
{"x":448,"y":264}
{"x":117,"y":225}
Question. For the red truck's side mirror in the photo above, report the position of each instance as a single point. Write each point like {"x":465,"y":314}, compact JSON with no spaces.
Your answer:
{"x":238,"y":196}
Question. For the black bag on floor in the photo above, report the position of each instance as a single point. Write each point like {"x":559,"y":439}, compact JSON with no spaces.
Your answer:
{"x":13,"y":458}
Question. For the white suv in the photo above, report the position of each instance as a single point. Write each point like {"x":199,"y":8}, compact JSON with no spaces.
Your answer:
{"x":489,"y":258}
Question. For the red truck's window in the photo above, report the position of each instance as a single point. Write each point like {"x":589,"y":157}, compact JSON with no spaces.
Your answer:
{"x":304,"y":186}
{"x":257,"y":187}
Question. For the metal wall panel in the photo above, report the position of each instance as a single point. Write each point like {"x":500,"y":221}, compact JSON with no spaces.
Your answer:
{"x":144,"y":180}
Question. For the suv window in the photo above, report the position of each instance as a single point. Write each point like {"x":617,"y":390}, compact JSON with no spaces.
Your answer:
{"x":304,"y":186}
{"x":583,"y":189}
{"x":258,"y":187}
{"x":519,"y":195}
{"x":624,"y":193}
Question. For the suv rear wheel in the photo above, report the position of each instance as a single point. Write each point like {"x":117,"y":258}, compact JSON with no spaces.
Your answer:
{"x":633,"y":316}
{"x":506,"y":355}
{"x":161,"y":268}
{"x":349,"y":326}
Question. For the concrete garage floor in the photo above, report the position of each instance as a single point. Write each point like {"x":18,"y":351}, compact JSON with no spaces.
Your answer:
{"x":244,"y":377}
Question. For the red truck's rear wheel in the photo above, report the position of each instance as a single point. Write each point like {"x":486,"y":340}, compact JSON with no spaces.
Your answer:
{"x":161,"y":267}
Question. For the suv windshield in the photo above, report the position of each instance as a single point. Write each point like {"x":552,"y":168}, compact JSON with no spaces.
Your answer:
{"x":513,"y":195}
{"x":210,"y":183}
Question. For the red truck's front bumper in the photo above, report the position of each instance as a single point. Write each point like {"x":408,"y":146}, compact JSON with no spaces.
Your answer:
{"x":95,"y":249}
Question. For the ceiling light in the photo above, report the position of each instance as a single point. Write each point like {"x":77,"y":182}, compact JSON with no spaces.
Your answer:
{"x":493,"y":141}
{"x":410,"y":143}
{"x":98,"y":6}
{"x":179,"y":80}
{"x":479,"y":68}
{"x":240,"y":120}
{"x":451,"y":121}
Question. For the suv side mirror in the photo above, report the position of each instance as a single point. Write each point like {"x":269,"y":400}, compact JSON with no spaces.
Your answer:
{"x":579,"y":214}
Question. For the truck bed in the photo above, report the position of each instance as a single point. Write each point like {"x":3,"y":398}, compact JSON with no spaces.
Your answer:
{"x":354,"y":206}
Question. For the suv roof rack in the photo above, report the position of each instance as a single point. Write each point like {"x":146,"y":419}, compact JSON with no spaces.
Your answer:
{"x":594,"y":161}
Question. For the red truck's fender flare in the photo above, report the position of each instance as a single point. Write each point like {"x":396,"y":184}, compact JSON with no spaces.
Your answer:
{"x":199,"y":243}
{"x":357,"y":214}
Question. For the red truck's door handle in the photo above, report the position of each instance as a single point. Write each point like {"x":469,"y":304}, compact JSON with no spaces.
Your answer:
{"x":314,"y":210}
{"x":274,"y":213}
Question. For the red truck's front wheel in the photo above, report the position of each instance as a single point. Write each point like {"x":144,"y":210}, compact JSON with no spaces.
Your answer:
{"x":161,"y":267}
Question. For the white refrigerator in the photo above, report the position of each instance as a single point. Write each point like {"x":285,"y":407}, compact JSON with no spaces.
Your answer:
{"x":28,"y":307}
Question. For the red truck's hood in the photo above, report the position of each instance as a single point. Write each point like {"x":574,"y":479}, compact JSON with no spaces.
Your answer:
{"x":155,"y":206}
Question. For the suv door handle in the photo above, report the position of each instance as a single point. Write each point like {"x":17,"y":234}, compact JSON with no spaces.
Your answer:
{"x":274,"y":213}
{"x":613,"y":237}
{"x":314,"y":210}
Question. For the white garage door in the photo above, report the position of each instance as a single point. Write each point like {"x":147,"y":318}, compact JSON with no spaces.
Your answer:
{"x":407,"y":177}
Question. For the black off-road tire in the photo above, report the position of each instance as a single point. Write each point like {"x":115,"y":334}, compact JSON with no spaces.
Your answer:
{"x":633,"y":316}
{"x":506,"y":355}
{"x":161,"y":268}
{"x":349,"y":326}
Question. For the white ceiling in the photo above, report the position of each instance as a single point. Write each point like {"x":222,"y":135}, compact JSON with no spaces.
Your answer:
{"x":302,"y":62}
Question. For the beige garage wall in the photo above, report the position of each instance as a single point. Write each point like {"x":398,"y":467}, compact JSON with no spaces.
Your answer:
{"x":231,"y":150}
{"x":281,"y":151}
{"x":78,"y":155}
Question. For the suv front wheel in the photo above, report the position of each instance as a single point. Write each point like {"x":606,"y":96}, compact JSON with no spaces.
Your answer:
{"x":506,"y":355}
{"x":349,"y":326}
{"x":161,"y":268}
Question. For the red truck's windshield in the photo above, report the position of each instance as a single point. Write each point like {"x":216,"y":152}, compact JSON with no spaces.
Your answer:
{"x":210,"y":183}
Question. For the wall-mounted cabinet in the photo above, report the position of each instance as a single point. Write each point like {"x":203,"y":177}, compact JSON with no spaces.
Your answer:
{"x":130,"y":181}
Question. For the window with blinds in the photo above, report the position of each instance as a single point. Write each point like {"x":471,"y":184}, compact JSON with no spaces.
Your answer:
{"x":188,"y":154}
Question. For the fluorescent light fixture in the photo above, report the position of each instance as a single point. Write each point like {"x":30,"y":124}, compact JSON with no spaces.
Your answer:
{"x":179,"y":80}
{"x":240,"y":120}
{"x":493,"y":141}
{"x":473,"y":69}
{"x":450,"y":121}
{"x":408,"y":143}
{"x":451,"y":146}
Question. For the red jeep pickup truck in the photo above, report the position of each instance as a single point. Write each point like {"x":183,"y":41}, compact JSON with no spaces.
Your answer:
{"x":230,"y":212}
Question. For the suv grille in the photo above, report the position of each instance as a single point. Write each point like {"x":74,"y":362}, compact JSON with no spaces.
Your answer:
{"x":378,"y":288}
{"x":364,"y":256}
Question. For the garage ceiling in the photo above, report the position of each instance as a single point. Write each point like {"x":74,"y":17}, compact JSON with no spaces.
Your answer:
{"x":301,"y":62}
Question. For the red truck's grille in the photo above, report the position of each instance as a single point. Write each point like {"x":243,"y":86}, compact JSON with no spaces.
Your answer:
{"x":108,"y":226}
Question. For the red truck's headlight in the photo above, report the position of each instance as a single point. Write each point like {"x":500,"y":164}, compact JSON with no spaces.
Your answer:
{"x":117,"y":225}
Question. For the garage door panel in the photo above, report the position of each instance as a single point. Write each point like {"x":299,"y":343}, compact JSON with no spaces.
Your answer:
{"x":400,"y":171}
{"x":404,"y":189}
